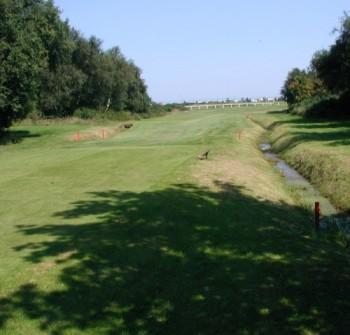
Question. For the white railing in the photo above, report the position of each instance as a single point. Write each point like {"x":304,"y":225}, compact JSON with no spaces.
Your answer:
{"x":232,"y":105}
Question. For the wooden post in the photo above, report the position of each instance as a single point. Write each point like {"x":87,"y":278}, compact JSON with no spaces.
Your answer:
{"x":317,"y":215}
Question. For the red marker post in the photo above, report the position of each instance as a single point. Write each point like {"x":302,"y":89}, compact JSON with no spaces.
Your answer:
{"x":78,"y":136}
{"x":317,"y":215}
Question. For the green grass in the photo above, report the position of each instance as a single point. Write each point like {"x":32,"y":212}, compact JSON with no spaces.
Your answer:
{"x":134,"y":235}
{"x":319,"y":149}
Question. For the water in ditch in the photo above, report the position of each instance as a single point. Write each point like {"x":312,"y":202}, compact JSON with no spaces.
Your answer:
{"x":308,"y":192}
{"x":329,"y":217}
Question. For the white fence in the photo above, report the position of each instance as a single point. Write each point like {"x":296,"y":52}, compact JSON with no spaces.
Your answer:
{"x":232,"y":105}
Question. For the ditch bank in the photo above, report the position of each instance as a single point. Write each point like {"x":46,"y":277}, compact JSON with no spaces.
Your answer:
{"x":322,"y":165}
{"x":312,"y":176}
{"x":297,"y":182}
{"x":330,"y":218}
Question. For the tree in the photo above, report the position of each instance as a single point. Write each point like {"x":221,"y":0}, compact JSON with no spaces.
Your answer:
{"x":22,"y":57}
{"x":333,"y":65}
{"x":48,"y":66}
{"x":300,"y":85}
{"x":61,"y":94}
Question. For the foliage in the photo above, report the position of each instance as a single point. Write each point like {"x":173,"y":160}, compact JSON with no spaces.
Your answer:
{"x":23,"y":56}
{"x":317,"y":106}
{"x":333,"y":65}
{"x":48,"y":66}
{"x":324,"y":89}
{"x":154,"y":109}
{"x":86,"y":113}
{"x":301,"y":85}
{"x":329,"y":106}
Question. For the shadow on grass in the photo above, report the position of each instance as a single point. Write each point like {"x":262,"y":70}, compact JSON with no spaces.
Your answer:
{"x":278,"y":112}
{"x":320,"y":130}
{"x":15,"y":136}
{"x":184,"y":260}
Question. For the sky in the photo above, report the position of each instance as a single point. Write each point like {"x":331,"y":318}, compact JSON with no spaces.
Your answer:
{"x":203,"y":50}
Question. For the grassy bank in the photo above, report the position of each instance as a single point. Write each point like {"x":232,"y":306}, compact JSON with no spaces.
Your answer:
{"x":132,"y":234}
{"x":318,"y":149}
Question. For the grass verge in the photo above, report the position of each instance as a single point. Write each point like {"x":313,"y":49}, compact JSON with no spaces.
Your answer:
{"x":318,"y":149}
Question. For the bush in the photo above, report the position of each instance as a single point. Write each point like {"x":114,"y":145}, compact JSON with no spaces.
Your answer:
{"x":34,"y":116}
{"x":331,"y":106}
{"x":117,"y":116}
{"x":86,"y":113}
{"x":344,"y":104}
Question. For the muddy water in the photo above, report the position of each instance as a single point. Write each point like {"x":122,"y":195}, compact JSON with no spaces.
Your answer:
{"x":297,"y":181}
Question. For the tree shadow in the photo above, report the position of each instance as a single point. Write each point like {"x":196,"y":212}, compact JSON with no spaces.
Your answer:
{"x":315,"y":129}
{"x":278,"y":112}
{"x":334,"y":137}
{"x":325,"y":124}
{"x":15,"y":136}
{"x":185,"y":260}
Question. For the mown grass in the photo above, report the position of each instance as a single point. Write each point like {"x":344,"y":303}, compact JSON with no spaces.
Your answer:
{"x":318,"y":148}
{"x":134,"y":235}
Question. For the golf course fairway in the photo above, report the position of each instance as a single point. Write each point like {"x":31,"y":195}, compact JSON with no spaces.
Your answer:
{"x":132,"y":234}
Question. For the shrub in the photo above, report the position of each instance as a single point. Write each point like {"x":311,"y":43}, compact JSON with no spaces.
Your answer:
{"x":330,"y":106}
{"x":117,"y":116}
{"x":86,"y":113}
{"x":35,"y":116}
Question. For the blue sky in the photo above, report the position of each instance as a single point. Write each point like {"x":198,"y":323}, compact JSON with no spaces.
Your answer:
{"x":201,"y":50}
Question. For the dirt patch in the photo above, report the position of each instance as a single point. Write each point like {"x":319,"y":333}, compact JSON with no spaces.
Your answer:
{"x":248,"y":174}
{"x":242,"y":166}
{"x":45,"y":266}
{"x":223,"y":170}
{"x":98,"y":133}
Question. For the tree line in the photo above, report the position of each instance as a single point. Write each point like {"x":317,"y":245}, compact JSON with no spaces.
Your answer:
{"x":323,"y":89}
{"x":48,"y":67}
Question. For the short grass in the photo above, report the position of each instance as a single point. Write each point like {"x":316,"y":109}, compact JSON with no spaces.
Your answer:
{"x":319,"y":149}
{"x":134,"y":235}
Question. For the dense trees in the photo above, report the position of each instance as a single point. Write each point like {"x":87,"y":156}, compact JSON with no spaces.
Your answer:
{"x":23,"y":56}
{"x":49,"y":68}
{"x":333,"y":65}
{"x":325,"y":86}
